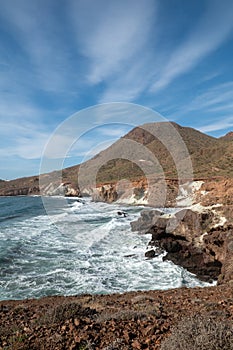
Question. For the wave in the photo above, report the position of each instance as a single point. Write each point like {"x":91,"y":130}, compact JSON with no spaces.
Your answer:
{"x":83,"y":247}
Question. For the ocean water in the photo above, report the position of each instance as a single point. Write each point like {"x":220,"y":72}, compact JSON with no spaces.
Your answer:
{"x":80,"y":247}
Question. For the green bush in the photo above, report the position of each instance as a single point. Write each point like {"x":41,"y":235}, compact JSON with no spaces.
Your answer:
{"x":201,"y":332}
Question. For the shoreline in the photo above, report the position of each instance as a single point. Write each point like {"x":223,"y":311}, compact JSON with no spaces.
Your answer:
{"x":200,"y":228}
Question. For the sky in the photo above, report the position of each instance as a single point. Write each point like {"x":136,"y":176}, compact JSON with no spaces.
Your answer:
{"x":59,"y":57}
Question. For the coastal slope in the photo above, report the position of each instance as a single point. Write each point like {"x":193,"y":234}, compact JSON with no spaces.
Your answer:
{"x":135,"y":320}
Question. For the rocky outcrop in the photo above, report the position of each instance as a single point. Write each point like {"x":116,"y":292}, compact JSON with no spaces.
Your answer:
{"x":194,"y":239}
{"x":20,"y":187}
{"x":198,"y":238}
{"x":157,"y":193}
{"x":216,"y":191}
{"x":23,"y":191}
{"x":104,"y":193}
{"x":64,"y":189}
{"x":48,"y":185}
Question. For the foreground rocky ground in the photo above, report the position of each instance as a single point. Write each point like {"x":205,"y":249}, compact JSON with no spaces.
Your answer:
{"x":135,"y":320}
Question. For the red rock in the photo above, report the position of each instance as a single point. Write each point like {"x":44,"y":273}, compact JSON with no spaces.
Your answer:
{"x":76,"y":322}
{"x":136,"y":345}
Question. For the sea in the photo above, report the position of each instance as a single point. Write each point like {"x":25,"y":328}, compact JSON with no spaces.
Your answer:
{"x":77,"y":247}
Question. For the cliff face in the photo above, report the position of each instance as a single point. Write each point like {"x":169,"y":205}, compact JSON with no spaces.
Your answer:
{"x":23,"y":186}
{"x":199,"y":237}
{"x":48,"y":186}
{"x":159,"y":193}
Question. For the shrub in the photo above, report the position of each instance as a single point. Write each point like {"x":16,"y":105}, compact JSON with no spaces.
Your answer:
{"x":202,"y":332}
{"x":66,"y":311}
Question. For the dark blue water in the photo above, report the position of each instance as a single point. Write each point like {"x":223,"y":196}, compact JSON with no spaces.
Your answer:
{"x":18,"y":208}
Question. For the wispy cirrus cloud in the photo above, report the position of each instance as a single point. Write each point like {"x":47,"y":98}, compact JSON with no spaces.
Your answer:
{"x":34,"y":27}
{"x":222,"y":123}
{"x":217,"y":102}
{"x":215,"y":98}
{"x":211,"y":31}
{"x":23,"y":132}
{"x":131,"y":83}
{"x":25,"y":141}
{"x":114,"y":38}
{"x":214,"y":104}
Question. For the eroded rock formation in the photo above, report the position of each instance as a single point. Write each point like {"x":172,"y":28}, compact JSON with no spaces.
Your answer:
{"x":158,"y":193}
{"x":195,"y":239}
{"x":64,"y":189}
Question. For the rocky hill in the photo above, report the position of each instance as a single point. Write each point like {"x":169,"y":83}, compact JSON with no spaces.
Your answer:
{"x":210,"y":157}
{"x":228,"y":136}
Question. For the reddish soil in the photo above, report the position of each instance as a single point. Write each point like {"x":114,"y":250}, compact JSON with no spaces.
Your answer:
{"x":135,"y":320}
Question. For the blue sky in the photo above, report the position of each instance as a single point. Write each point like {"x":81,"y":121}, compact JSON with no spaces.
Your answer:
{"x":58,"y":57}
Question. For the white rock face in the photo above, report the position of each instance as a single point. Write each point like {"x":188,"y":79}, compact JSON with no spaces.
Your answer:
{"x":187,"y":193}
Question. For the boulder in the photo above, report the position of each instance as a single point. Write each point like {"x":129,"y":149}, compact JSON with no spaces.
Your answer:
{"x":145,"y":221}
{"x":150,"y":253}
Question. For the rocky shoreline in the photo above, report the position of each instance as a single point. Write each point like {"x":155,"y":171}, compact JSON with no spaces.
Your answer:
{"x":198,"y":236}
{"x":193,"y":239}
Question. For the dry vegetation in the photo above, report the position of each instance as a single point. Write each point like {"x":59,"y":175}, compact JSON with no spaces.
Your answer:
{"x":202,"y":332}
{"x":135,"y":320}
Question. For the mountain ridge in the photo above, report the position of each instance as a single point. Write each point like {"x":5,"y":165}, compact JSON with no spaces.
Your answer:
{"x":211,"y":157}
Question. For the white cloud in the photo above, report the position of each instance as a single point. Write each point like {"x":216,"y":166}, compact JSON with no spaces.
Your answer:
{"x":211,"y":31}
{"x":210,"y":103}
{"x":133,"y":79}
{"x":215,"y":102}
{"x":115,"y":132}
{"x":221,"y":124}
{"x":115,"y":37}
{"x":216,"y":98}
{"x":26,"y":143}
{"x":22,"y":133}
{"x":38,"y":34}
{"x":110,"y":33}
{"x":219,"y":94}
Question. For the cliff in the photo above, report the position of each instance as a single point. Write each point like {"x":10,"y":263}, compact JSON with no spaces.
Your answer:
{"x":198,"y":237}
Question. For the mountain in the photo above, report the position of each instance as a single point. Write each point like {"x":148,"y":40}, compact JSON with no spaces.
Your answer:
{"x":210,"y":156}
{"x":132,"y":155}
{"x":228,"y":136}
